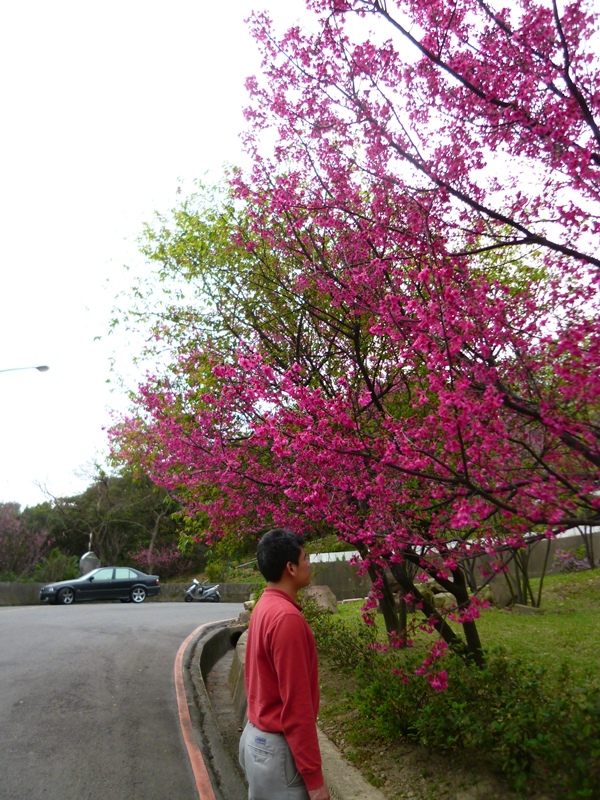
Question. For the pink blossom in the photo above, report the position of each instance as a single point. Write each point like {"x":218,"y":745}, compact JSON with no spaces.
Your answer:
{"x":416,"y":365}
{"x":438,"y":681}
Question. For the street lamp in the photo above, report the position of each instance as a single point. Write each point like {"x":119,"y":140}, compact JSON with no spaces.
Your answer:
{"x":43,"y":368}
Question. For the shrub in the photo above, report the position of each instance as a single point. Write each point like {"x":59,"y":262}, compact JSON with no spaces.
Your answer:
{"x":215,"y":570}
{"x":56,"y":567}
{"x":538,"y":735}
{"x":21,"y":548}
{"x":568,"y":561}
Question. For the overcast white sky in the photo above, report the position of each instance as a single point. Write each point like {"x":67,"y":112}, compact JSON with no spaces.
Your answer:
{"x":105,"y":110}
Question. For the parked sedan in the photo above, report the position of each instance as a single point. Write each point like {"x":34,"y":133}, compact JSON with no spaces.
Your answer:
{"x":106,"y":583}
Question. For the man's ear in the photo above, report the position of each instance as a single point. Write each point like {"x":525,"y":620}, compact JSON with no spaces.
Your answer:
{"x":291,"y":568}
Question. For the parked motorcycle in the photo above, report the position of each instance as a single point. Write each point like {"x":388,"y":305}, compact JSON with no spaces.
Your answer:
{"x":202,"y":593}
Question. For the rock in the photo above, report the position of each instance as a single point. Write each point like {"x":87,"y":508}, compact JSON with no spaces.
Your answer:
{"x":527,"y":609}
{"x":500,"y":592}
{"x":486,"y":789}
{"x":434,"y":586}
{"x":323,"y":597}
{"x":426,"y":594}
{"x":444,"y":600}
{"x":485,"y":593}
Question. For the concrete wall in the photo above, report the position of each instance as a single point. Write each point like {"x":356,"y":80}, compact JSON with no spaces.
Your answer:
{"x":236,"y":680}
{"x":20,"y":594}
{"x":565,"y":541}
{"x":339,"y":576}
{"x":230,"y":592}
{"x":342,"y":579}
{"x":216,"y":735}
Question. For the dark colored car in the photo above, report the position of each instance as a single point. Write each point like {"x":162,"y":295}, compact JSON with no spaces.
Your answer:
{"x":105,"y":583}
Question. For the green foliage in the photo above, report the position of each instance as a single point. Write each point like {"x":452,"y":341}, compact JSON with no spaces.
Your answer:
{"x":541,"y":729}
{"x":115,"y":516}
{"x":231,"y":557}
{"x":258,"y":590}
{"x":215,"y":570}
{"x":345,"y":643}
{"x":327,"y":543}
{"x":57,"y":567}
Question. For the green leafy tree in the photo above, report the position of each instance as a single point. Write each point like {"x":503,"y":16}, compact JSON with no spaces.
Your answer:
{"x":117,"y":516}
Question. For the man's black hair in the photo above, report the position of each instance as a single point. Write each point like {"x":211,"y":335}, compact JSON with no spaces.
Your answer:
{"x":276,"y":549}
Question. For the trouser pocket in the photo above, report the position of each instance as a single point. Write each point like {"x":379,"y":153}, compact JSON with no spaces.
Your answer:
{"x":269,"y":766}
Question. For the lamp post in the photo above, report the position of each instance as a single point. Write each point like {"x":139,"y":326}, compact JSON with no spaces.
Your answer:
{"x":43,"y":368}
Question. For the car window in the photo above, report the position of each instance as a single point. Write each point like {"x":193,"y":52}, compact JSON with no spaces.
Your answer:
{"x":104,"y":575}
{"x":123,"y":574}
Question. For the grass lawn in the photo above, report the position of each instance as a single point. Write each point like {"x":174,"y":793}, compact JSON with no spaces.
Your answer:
{"x":567,"y":632}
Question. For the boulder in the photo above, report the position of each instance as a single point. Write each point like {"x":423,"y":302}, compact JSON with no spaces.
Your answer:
{"x":500,"y":592}
{"x":323,"y":597}
{"x":426,"y":594}
{"x":518,"y":608}
{"x":444,"y":600}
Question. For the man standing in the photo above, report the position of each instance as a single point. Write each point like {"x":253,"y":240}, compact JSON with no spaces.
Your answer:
{"x":279,"y":748}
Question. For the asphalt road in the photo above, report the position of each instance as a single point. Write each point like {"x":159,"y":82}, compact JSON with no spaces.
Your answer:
{"x":87,"y":700}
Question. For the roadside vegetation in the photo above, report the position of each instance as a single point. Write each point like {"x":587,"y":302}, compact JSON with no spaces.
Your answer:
{"x":124,"y":518}
{"x":530,"y":718}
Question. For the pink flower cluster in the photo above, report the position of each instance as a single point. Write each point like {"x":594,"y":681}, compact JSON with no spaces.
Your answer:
{"x":419,"y":370}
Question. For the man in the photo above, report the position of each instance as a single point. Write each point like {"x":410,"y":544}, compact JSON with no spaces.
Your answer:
{"x":279,"y":748}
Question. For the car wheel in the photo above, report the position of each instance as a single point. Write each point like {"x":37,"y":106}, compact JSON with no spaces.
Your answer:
{"x":138,"y":595}
{"x":65,"y":597}
{"x":188,"y":598}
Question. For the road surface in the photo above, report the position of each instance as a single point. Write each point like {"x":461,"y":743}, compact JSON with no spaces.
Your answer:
{"x":87,"y":700}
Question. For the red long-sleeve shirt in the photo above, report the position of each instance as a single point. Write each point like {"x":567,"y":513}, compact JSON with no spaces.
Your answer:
{"x":281,"y":678}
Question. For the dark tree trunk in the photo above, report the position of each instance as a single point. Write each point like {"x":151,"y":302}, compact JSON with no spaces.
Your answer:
{"x":387,"y":604}
{"x":439,"y":623}
{"x":461,"y":593}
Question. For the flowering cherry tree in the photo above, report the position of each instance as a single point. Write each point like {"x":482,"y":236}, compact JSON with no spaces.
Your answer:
{"x":403,"y":345}
{"x":22,"y":548}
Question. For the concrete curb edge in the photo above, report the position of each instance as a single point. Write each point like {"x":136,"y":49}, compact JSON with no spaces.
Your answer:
{"x":203,"y":652}
{"x":345,"y":781}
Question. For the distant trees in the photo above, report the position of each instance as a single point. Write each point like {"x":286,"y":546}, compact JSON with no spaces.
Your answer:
{"x":21,"y":547}
{"x":123,"y":518}
{"x":113,"y":516}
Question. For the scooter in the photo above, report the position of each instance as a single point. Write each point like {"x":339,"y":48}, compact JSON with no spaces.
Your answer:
{"x":202,"y":593}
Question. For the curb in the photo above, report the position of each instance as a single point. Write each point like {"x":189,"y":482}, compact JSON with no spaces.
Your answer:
{"x":188,"y":730}
{"x":207,"y":646}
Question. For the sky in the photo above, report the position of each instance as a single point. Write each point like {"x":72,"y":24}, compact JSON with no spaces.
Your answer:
{"x":106,"y":111}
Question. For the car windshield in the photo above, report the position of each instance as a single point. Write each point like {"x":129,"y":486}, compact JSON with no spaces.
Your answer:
{"x":92,"y":574}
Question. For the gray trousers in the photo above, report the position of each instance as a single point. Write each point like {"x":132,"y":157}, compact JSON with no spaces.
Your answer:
{"x":269,"y":766}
